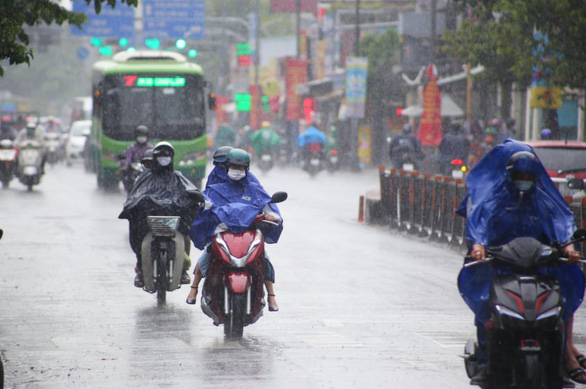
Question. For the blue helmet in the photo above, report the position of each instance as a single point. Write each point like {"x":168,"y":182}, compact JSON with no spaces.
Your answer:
{"x":221,"y":154}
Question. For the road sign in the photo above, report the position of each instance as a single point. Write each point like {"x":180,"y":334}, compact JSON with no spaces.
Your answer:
{"x":174,"y":19}
{"x":115,"y":23}
{"x":83,"y":53}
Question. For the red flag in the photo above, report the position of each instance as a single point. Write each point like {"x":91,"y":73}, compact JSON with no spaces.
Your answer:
{"x":430,"y":128}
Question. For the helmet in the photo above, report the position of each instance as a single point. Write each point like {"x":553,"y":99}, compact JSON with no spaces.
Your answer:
{"x":495,"y":122}
{"x":511,"y":122}
{"x":546,"y":133}
{"x":406,"y":129}
{"x":163,"y":149}
{"x":31,"y":125}
{"x":220,"y":155}
{"x":147,"y":156}
{"x":238,"y":157}
{"x":265,"y":124}
{"x":455,"y":127}
{"x":523,"y":162}
{"x":141,"y":130}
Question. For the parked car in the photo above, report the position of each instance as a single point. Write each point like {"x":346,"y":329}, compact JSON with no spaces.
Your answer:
{"x":78,"y":133}
{"x":563,"y":160}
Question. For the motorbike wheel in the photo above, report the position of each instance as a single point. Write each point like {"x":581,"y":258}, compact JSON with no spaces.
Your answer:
{"x":234,"y":326}
{"x":5,"y":184}
{"x":162,"y":279}
{"x":534,"y":371}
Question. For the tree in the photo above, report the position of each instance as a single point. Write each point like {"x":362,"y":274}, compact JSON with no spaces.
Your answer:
{"x":15,"y":14}
{"x":501,"y":35}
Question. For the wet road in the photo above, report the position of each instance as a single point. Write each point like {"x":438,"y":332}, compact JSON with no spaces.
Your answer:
{"x":360,"y":306}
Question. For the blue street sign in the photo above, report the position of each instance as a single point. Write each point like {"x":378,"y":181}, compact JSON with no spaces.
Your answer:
{"x":174,"y":19}
{"x":115,"y":23}
{"x":83,"y":53}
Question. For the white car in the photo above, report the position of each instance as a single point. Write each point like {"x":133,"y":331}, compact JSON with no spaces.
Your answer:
{"x":78,"y":134}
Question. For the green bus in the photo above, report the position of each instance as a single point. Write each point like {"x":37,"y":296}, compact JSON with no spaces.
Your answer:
{"x":158,"y":89}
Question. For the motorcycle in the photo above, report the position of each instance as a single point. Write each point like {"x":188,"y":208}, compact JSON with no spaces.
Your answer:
{"x":163,"y":253}
{"x":525,"y":333}
{"x":8,"y":154}
{"x":52,"y":148}
{"x":333,"y":161}
{"x":136,"y":168}
{"x":30,"y":160}
{"x":458,"y":169}
{"x":265,"y":162}
{"x":233,"y":293}
{"x":313,"y":159}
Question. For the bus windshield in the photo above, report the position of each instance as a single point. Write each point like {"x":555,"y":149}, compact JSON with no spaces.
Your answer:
{"x":171,"y":106}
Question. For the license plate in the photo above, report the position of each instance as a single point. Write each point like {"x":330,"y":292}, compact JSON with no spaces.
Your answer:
{"x":314,"y":162}
{"x":266,"y":157}
{"x":408,"y":167}
{"x":30,"y":171}
{"x":334,"y":159}
{"x":457,"y":174}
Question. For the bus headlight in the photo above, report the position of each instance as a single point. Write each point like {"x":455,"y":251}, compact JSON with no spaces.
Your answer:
{"x":192,"y":158}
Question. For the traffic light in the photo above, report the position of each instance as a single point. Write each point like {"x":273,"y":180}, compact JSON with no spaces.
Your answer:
{"x":123,"y":42}
{"x":106,"y":50}
{"x":96,"y":41}
{"x":153,"y":43}
{"x":192,"y":53}
{"x":181,"y":44}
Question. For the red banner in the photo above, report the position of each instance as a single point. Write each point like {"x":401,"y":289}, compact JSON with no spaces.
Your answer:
{"x":221,"y":115}
{"x":296,"y":74}
{"x":289,"y":6}
{"x":430,"y":128}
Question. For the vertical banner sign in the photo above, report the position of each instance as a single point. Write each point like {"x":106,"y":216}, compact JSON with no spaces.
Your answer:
{"x":430,"y":128}
{"x":221,"y":114}
{"x":255,"y":113}
{"x":296,"y":74}
{"x":365,"y":144}
{"x":356,"y":68}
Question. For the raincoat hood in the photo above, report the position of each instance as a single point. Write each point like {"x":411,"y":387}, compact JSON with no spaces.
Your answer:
{"x":311,"y":135}
{"x":490,"y":190}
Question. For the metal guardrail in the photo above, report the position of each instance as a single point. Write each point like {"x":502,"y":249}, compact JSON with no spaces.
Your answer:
{"x":425,"y":205}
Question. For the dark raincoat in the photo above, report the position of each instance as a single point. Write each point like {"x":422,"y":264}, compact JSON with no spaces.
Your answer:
{"x":236,"y":204}
{"x":160,"y":191}
{"x":219,"y":174}
{"x":495,"y":216}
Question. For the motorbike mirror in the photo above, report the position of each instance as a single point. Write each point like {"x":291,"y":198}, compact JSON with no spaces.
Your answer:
{"x":580,"y":233}
{"x":279,"y":197}
{"x":576,"y":183}
{"x":1,"y":233}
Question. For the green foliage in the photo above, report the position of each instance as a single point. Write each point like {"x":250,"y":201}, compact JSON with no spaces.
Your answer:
{"x":15,"y":14}
{"x":499,"y":35}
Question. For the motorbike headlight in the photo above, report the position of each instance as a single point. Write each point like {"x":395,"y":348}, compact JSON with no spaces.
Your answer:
{"x":509,"y":312}
{"x":554,"y":312}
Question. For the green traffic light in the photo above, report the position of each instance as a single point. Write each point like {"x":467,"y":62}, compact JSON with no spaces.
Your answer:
{"x":192,"y":53}
{"x":96,"y":41}
{"x":123,"y":42}
{"x":131,"y":50}
{"x":106,"y":50}
{"x":153,"y":44}
{"x":180,"y":44}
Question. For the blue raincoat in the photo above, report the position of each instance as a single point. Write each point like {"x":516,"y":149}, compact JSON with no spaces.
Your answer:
{"x":236,"y":204}
{"x":311,"y":135}
{"x":495,"y":215}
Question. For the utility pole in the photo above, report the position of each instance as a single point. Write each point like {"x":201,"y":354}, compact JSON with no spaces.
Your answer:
{"x":298,"y":26}
{"x":357,"y":30}
{"x":257,"y":43}
{"x":433,"y":28}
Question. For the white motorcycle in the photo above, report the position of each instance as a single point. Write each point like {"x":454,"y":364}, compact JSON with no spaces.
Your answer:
{"x":30,"y":161}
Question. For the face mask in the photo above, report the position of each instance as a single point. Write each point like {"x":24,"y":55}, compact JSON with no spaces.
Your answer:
{"x":141,"y":139}
{"x":164,"y":161}
{"x":236,"y":175}
{"x":523,"y":186}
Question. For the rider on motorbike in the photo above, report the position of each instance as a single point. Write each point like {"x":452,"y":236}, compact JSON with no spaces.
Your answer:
{"x":405,"y":147}
{"x":134,"y":154}
{"x":265,"y":139}
{"x":510,"y":195}
{"x":245,"y":196}
{"x":311,"y":139}
{"x":161,"y":190}
{"x":7,"y":131}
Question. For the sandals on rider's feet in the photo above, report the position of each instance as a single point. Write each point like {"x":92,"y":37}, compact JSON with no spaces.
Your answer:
{"x":581,"y":360}
{"x":577,"y":375}
{"x":192,"y":302}
{"x":271,"y":308}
